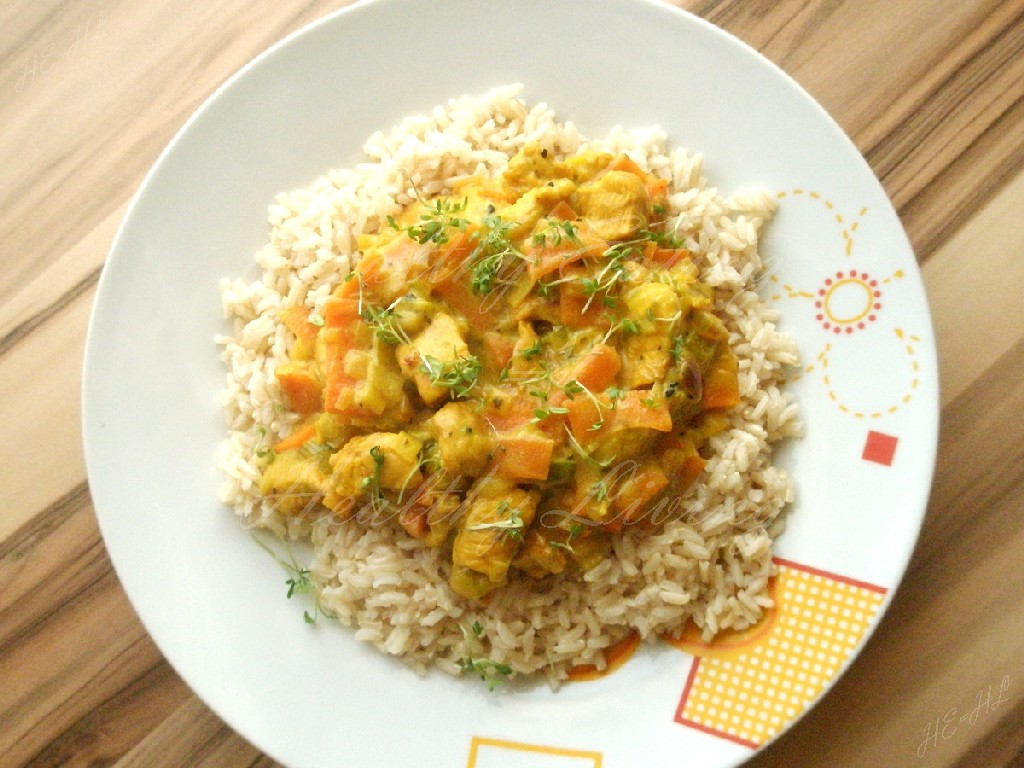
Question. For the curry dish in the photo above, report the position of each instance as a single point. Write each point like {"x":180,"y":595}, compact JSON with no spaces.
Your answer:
{"x":516,"y":373}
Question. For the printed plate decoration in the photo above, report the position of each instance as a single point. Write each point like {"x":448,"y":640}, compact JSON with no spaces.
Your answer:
{"x":748,"y":686}
{"x":496,"y":753}
{"x":844,"y":282}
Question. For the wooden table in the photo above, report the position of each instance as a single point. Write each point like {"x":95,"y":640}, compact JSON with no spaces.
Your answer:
{"x":931,"y":91}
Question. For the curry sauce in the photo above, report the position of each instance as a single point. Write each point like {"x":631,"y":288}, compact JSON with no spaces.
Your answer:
{"x":516,"y":372}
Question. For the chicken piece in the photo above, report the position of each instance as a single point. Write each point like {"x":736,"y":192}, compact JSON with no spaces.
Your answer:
{"x":441,"y":342}
{"x":293,"y":482}
{"x":653,"y":307}
{"x":464,"y":439}
{"x":527,"y":354}
{"x":589,"y":550}
{"x":430,"y":514}
{"x":490,"y":533}
{"x":655,"y":310}
{"x":383,"y":460}
{"x":586,"y":165}
{"x":532,"y":167}
{"x":645,"y":359}
{"x":532,"y":206}
{"x":614,"y":205}
{"x":540,"y":556}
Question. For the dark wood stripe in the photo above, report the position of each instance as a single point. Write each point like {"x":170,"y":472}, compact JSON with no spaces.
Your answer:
{"x":935,"y":128}
{"x":1001,"y":745}
{"x":966,"y":185}
{"x":151,"y":695}
{"x":44,"y":522}
{"x":26,"y":327}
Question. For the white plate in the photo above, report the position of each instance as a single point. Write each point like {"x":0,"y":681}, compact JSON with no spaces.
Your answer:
{"x":313,"y":696}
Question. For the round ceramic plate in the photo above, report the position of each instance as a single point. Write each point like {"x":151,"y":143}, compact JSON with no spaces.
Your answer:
{"x":843,"y":277}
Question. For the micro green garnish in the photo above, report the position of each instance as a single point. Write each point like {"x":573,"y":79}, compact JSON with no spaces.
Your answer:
{"x":298,"y":581}
{"x":371,"y":484}
{"x":626,"y":325}
{"x":540,"y":414}
{"x":385,"y":324}
{"x":311,"y":449}
{"x":533,"y":350}
{"x":493,"y":246}
{"x":662,"y":239}
{"x":360,"y":284}
{"x":459,"y":376}
{"x":600,"y":490}
{"x":677,"y":348}
{"x":513,"y":525}
{"x":435,"y":222}
{"x":491,"y":672}
{"x":582,"y":452}
{"x":263,"y":450}
{"x":609,"y":276}
{"x":488,"y":670}
{"x":573,"y":388}
{"x":556,"y":232}
{"x":574,"y":530}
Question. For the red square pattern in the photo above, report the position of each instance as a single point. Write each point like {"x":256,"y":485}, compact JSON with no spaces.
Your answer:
{"x":879,"y":448}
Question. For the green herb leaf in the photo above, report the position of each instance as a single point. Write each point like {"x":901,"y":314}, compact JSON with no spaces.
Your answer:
{"x":460,"y":376}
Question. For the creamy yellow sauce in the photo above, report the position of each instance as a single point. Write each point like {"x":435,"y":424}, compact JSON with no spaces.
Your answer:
{"x":515,"y":373}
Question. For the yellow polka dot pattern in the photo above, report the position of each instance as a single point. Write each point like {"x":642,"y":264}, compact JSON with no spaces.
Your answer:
{"x":749,"y":693}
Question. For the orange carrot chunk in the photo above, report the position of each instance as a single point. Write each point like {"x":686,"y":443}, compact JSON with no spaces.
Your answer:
{"x":296,"y":439}
{"x":523,"y":455}
{"x":300,"y":387}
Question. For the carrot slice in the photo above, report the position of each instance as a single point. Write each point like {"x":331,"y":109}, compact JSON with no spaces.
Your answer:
{"x":548,"y":258}
{"x":632,"y":410}
{"x":523,"y":455}
{"x":721,"y":385}
{"x":635,"y":409}
{"x":300,"y":387}
{"x":368,"y":276}
{"x":563,"y":212}
{"x":669,"y":257}
{"x":499,"y":348}
{"x":296,"y":439}
{"x":586,"y":420}
{"x":624,"y":163}
{"x":450,"y":279}
{"x":296,"y":319}
{"x":596,"y":370}
{"x":341,"y":336}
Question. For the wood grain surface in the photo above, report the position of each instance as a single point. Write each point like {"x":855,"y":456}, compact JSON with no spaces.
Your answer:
{"x":931,"y":92}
